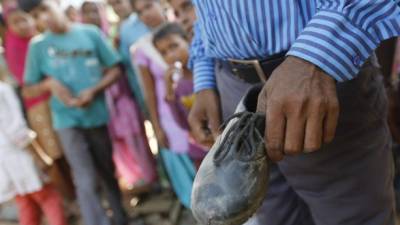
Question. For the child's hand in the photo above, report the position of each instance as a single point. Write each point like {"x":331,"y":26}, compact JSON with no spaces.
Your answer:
{"x":36,"y":90}
{"x":61,"y":92}
{"x":169,"y":85}
{"x":86,"y":97}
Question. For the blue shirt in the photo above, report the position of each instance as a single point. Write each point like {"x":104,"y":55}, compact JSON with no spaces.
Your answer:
{"x":131,"y":30}
{"x":76,"y":59}
{"x":336,"y":35}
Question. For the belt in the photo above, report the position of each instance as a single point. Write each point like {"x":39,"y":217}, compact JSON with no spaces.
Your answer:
{"x":255,"y":71}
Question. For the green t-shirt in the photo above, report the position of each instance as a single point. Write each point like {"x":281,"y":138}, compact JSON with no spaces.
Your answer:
{"x":76,"y":59}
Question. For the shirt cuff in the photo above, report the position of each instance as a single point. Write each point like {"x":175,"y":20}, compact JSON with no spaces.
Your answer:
{"x":335,"y":44}
{"x":204,"y":75}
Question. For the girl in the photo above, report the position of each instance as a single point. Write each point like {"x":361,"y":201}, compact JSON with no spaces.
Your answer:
{"x":152,"y":68}
{"x":20,"y":178}
{"x":172,"y":42}
{"x":132,"y":156}
{"x":20,"y":30}
{"x":169,"y":134}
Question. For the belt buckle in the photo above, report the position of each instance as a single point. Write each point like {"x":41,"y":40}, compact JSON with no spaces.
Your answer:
{"x":255,"y":63}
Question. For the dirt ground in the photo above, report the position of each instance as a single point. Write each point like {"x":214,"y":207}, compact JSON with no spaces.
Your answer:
{"x":156,"y":209}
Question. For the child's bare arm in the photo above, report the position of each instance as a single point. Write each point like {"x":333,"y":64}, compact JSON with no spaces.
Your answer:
{"x":36,"y":90}
{"x":111,"y":75}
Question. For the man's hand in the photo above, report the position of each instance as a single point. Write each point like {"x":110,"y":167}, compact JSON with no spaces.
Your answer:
{"x":301,"y":108}
{"x":205,"y":117}
{"x":61,"y":92}
{"x":86,"y":97}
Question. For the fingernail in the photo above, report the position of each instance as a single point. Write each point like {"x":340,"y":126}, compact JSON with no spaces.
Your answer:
{"x":276,"y":155}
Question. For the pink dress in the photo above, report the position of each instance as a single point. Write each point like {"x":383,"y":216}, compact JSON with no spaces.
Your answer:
{"x":144,"y":54}
{"x":180,"y":111}
{"x":134,"y":162}
{"x":132,"y":156}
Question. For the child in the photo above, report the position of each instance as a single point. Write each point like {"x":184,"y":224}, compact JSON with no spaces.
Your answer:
{"x":152,"y":67}
{"x":72,"y":13}
{"x":20,"y":30}
{"x":93,"y":12}
{"x":172,"y":43}
{"x":172,"y":139}
{"x":185,"y":14}
{"x":68,"y":59}
{"x":132,"y":156}
{"x":19,"y":177}
{"x":130,"y":29}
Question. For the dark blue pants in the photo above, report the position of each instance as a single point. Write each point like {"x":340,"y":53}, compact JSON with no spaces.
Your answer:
{"x":348,"y":182}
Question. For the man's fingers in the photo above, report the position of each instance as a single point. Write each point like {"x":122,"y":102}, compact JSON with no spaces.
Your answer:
{"x":196,"y":125}
{"x":275,"y":132}
{"x":314,"y":133}
{"x":294,"y":137}
{"x":330,"y":122}
{"x":214,"y":123}
{"x":200,"y":133}
{"x":204,"y":117}
{"x":275,"y":138}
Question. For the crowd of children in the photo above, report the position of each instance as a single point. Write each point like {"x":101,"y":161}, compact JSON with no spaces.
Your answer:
{"x":74,"y":116}
{"x":83,"y":89}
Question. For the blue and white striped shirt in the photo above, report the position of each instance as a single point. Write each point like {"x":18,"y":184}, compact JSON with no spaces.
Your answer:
{"x":336,"y":35}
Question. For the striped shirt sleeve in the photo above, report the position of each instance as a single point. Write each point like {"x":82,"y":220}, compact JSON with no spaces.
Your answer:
{"x":201,"y":65}
{"x":344,"y":33}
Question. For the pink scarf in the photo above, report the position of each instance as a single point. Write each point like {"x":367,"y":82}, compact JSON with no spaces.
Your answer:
{"x":132,"y":156}
{"x":16,"y":49}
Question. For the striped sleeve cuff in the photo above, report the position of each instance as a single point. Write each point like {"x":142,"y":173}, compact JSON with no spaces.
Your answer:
{"x":204,"y":76}
{"x":338,"y":46}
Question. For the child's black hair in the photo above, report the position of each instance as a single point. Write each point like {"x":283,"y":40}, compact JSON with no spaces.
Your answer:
{"x":133,"y":2}
{"x":169,"y":29}
{"x":2,"y":20}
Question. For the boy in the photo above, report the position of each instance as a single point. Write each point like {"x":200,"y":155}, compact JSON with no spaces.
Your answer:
{"x":69,"y":60}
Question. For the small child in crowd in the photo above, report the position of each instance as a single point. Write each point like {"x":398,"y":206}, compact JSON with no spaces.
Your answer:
{"x":172,"y":43}
{"x":132,"y":155}
{"x":20,"y":29}
{"x":20,"y":178}
{"x":93,"y":12}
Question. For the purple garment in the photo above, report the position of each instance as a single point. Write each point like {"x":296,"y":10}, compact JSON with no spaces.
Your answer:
{"x":184,"y":88}
{"x":177,"y":137}
{"x":132,"y":155}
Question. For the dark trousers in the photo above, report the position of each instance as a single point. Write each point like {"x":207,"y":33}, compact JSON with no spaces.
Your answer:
{"x":349,"y":181}
{"x":89,"y":153}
